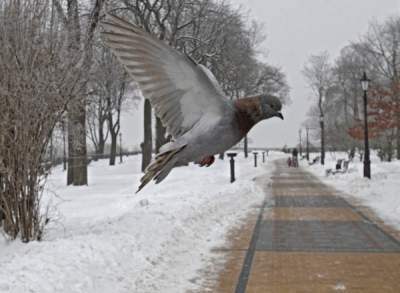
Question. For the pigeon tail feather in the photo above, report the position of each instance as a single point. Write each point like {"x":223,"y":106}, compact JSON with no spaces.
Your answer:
{"x":160,"y":167}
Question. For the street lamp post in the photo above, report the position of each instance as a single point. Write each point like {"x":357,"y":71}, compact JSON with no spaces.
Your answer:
{"x":64,"y":145}
{"x":321,"y":122}
{"x":367,"y":163}
{"x":307,"y":145}
{"x":120,"y":148}
{"x":300,"y":144}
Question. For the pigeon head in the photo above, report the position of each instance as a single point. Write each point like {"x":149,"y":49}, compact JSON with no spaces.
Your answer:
{"x":251,"y":110}
{"x":270,"y":107}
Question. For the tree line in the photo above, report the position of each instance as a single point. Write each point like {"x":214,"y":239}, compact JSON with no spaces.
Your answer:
{"x":58,"y":79}
{"x":336,"y":87}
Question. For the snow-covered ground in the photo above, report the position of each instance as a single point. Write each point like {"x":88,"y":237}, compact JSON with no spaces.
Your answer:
{"x":105,"y":238}
{"x":381,"y":193}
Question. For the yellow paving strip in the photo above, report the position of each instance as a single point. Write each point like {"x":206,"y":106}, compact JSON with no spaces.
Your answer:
{"x":227,"y":280}
{"x":233,"y":254}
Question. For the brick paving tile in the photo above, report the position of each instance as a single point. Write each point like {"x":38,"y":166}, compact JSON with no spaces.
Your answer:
{"x":310,"y":201}
{"x":324,"y":236}
{"x":311,"y":214}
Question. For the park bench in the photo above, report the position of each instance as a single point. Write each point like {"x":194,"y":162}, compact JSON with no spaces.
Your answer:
{"x":342,"y":166}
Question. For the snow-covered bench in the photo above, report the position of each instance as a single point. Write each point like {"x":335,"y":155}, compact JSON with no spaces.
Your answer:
{"x":342,"y":166}
{"x":315,"y":160}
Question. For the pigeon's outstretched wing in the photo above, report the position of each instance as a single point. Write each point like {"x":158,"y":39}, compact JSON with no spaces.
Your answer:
{"x":180,"y":91}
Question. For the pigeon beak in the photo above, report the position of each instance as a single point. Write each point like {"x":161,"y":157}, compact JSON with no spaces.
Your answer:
{"x":279,"y":114}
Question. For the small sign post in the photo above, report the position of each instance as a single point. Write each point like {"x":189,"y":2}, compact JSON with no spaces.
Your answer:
{"x":255,"y":159}
{"x":232,"y":163}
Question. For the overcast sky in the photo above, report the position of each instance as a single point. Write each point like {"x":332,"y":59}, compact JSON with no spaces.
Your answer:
{"x":295,"y":29}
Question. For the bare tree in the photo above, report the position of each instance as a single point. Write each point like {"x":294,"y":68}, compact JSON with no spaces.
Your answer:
{"x":381,"y":50}
{"x":114,"y":108}
{"x":96,"y":123}
{"x":377,"y":52}
{"x":33,"y":73}
{"x":347,"y":70}
{"x":111,"y":88}
{"x":318,"y":74}
{"x":342,"y":102}
{"x":80,"y":35}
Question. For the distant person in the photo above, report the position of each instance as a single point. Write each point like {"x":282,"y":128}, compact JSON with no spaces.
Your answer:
{"x":295,"y":154}
{"x":289,"y":162}
{"x":352,"y":154}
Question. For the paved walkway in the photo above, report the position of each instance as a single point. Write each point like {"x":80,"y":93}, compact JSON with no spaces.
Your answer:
{"x":308,"y":239}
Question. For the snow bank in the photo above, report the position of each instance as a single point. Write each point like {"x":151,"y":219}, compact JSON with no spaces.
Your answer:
{"x":381,"y":193}
{"x":104,"y":238}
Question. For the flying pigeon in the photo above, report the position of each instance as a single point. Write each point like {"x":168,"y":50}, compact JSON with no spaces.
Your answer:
{"x":186,"y":97}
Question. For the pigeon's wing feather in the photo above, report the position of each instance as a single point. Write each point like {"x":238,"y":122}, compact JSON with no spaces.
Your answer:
{"x":180,"y":91}
{"x":212,"y":78}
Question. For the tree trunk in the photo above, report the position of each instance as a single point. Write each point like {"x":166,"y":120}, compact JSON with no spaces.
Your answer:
{"x":80,"y":172}
{"x":398,"y":134}
{"x":113,"y":151}
{"x":160,"y":135}
{"x":356,"y":112}
{"x":245,"y":147}
{"x":102,"y":140}
{"x":71,"y":161}
{"x":307,"y":145}
{"x":322,"y":141}
{"x":322,"y":125}
{"x":345,"y":108}
{"x":300,"y":144}
{"x":396,"y":98}
{"x":390,"y":151}
{"x":147,"y":146}
{"x":64,"y":145}
{"x":2,"y":215}
{"x":77,"y":152}
{"x":51,"y":149}
{"x":101,"y":144}
{"x":101,"y":147}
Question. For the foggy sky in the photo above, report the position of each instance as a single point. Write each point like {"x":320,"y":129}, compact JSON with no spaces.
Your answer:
{"x":295,"y":29}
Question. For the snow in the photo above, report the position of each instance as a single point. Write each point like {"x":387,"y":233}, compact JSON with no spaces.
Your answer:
{"x":381,"y":193}
{"x":104,"y":238}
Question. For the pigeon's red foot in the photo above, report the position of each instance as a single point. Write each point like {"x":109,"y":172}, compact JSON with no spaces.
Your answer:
{"x":206,"y":161}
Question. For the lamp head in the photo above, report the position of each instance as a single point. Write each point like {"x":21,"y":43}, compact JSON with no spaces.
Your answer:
{"x":365,"y":82}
